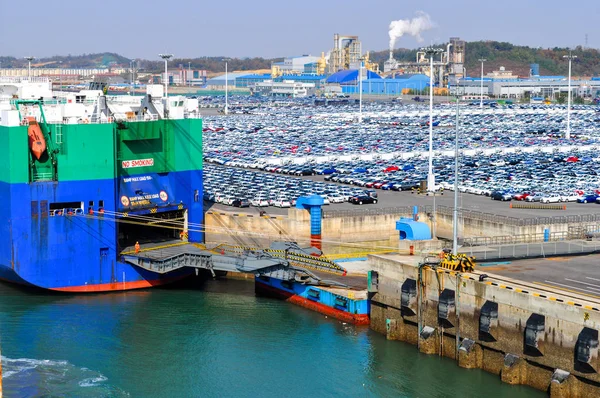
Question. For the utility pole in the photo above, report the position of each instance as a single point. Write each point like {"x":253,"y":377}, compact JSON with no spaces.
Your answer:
{"x":226,"y":87}
{"x":570,"y":57}
{"x":29,"y":59}
{"x":430,"y":176}
{"x":482,"y":60}
{"x":455,"y":218}
{"x":360,"y":70}
{"x":166,"y":58}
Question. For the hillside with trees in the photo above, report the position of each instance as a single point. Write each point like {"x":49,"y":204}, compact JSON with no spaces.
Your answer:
{"x":512,"y":57}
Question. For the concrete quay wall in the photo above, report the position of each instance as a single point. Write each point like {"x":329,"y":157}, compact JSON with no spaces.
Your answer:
{"x":251,"y":229}
{"x":349,"y":233}
{"x":526,"y":336}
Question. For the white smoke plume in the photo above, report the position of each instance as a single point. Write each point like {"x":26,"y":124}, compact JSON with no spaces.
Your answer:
{"x":412,"y":27}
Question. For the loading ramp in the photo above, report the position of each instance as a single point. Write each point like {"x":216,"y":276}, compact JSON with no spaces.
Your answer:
{"x":170,"y":256}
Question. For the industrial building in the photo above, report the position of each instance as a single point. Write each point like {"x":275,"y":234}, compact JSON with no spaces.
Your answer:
{"x":448,"y":68}
{"x":504,"y":84}
{"x":373,"y":84}
{"x":346,"y":53}
{"x":284,"y":88}
{"x":219,"y":82}
{"x":251,"y":80}
{"x":294,"y":65}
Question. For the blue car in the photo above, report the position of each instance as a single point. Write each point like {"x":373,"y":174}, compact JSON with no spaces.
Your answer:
{"x":588,"y":198}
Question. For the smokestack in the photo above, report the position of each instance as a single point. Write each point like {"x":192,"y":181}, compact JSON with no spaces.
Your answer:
{"x":413,"y":27}
{"x":391,"y":55}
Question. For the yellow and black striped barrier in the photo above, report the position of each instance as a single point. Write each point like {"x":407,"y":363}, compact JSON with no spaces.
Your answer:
{"x":538,"y":206}
{"x":459,"y":262}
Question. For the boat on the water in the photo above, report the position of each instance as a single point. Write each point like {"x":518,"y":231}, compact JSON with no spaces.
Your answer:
{"x":97,"y":174}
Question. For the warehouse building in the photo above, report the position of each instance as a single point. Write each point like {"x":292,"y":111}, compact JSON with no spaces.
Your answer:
{"x":373,"y":84}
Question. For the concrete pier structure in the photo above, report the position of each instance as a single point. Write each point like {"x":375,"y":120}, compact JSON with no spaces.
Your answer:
{"x":524,"y":333}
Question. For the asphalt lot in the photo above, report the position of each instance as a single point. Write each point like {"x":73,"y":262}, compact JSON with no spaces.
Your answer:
{"x":575,"y":274}
{"x":405,"y":198}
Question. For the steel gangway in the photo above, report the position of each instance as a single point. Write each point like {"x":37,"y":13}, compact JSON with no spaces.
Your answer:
{"x":171,"y":256}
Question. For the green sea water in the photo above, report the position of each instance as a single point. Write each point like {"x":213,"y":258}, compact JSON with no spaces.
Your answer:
{"x":212,"y":339}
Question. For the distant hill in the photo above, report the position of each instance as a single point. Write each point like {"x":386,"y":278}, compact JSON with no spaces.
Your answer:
{"x":514,"y":58}
{"x":211,"y":64}
{"x":69,"y":61}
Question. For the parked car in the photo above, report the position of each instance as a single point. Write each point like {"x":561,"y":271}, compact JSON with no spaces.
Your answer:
{"x":362,"y":199}
{"x":551,"y":198}
{"x":504,"y":196}
{"x":588,"y":198}
{"x":241,"y":203}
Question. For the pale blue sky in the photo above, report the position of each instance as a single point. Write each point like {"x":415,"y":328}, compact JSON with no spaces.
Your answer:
{"x":270,"y":28}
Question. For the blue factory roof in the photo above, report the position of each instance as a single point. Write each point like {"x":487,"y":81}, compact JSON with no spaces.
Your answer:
{"x":349,"y":76}
{"x":415,"y":76}
{"x":302,"y":77}
{"x":255,"y":76}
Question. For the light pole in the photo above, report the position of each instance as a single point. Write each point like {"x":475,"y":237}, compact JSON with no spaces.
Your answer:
{"x":226,"y":87}
{"x":570,"y":57}
{"x":166,"y":57}
{"x":131,"y":74}
{"x":482,"y":60}
{"x":360,"y":91}
{"x":455,"y":218}
{"x":430,"y":176}
{"x":29,"y":59}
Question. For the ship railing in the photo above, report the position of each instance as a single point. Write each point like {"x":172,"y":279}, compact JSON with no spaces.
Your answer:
{"x":192,"y":115}
{"x":23,"y":79}
{"x":39,"y":177}
{"x":132,"y":117}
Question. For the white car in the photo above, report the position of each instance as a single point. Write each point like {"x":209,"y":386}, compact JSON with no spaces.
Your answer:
{"x":569,"y":197}
{"x":551,"y":198}
{"x":259,"y":202}
{"x":337,"y":198}
{"x":282,"y":202}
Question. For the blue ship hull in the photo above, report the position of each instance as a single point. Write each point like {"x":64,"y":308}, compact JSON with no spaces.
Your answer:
{"x":80,"y":252}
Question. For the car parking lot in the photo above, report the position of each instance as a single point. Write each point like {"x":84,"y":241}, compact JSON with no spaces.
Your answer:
{"x":508,"y":153}
{"x":231,"y":187}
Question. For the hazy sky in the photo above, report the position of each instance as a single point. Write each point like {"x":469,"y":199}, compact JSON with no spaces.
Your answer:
{"x":269,"y":28}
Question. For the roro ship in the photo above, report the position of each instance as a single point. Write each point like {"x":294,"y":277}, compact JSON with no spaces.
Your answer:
{"x":85,"y":176}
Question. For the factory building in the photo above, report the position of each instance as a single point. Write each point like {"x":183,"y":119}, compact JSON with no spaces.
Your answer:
{"x":549,"y":87}
{"x":284,"y":88}
{"x":448,"y":65}
{"x":346,"y":53}
{"x":373,"y":84}
{"x":218,"y":82}
{"x":252,"y":80}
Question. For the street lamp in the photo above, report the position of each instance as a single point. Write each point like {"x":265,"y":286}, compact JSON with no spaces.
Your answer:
{"x":482,"y":60}
{"x":226,"y":87}
{"x":166,"y":57}
{"x":430,"y":176}
{"x":455,"y":218}
{"x":29,"y":59}
{"x":570,"y":57}
{"x":131,"y":75}
{"x":360,"y":70}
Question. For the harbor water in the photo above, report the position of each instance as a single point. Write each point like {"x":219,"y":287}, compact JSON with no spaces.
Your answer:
{"x":212,"y":339}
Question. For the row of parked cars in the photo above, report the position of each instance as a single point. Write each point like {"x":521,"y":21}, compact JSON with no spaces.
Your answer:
{"x":304,"y":131}
{"x":296,"y":139}
{"x":244,"y":188}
